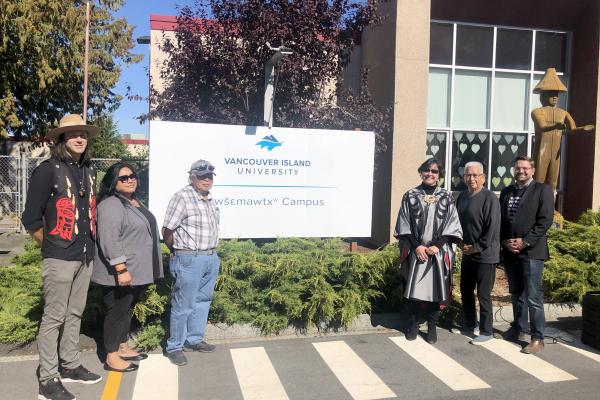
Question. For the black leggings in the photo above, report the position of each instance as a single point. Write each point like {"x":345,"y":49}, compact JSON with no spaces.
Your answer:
{"x":118,"y":302}
{"x":418,"y":308}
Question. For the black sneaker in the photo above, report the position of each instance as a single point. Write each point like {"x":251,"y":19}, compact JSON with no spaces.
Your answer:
{"x":177,"y":358}
{"x":202,"y":347}
{"x":53,"y":389}
{"x":79,"y":375}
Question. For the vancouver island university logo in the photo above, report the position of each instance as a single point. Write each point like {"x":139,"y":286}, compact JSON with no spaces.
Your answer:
{"x":270,"y":142}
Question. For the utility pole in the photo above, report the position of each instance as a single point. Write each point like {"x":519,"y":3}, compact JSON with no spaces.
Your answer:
{"x":85,"y":62}
{"x":271,"y":81}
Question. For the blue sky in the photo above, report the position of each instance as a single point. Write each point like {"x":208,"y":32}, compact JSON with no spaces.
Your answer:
{"x":137,"y":13}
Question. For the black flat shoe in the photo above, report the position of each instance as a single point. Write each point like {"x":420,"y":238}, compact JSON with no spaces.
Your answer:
{"x":129,"y":368}
{"x":139,"y":357}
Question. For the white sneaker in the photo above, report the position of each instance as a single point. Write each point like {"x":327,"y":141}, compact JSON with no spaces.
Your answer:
{"x":481,"y":339}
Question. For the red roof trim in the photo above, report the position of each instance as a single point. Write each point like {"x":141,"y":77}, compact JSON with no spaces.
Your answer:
{"x":135,"y":141}
{"x":163,"y":22}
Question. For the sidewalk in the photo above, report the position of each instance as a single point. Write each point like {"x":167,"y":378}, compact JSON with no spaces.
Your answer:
{"x":563,"y":315}
{"x":562,"y":320}
{"x":11,"y":244}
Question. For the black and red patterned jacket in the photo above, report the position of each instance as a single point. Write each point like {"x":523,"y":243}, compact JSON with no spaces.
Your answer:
{"x":62,"y":199}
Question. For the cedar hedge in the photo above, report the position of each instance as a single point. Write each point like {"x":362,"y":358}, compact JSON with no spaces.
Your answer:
{"x":292,"y":282}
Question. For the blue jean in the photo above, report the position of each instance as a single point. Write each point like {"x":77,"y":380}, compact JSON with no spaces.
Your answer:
{"x":525,"y":286}
{"x":195,"y":277}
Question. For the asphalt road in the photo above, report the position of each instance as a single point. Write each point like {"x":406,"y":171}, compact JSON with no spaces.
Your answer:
{"x":359,"y":367}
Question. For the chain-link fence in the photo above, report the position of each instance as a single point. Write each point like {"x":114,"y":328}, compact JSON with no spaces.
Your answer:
{"x":10,"y":193}
{"x":15,"y":174}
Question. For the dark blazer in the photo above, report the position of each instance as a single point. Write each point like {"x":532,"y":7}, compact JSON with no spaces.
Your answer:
{"x":532,"y":220}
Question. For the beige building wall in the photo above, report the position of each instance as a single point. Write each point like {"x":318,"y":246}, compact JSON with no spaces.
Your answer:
{"x":596,"y":176}
{"x":398,"y":52}
{"x":158,"y":57}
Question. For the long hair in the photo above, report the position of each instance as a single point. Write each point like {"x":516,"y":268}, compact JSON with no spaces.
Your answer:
{"x":111,"y":178}
{"x":59,"y":152}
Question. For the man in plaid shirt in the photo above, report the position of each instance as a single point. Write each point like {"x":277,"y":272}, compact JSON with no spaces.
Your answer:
{"x":191,"y":231}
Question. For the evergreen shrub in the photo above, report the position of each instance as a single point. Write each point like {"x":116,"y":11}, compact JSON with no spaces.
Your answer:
{"x":574,"y":265}
{"x":292,"y":282}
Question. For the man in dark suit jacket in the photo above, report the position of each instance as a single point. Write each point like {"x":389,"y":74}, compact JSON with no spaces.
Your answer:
{"x":527,"y":209}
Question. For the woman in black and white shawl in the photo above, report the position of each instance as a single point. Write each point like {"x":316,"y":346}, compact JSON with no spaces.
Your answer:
{"x":427,"y":226}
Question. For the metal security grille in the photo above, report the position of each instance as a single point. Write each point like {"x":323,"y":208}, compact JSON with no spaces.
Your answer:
{"x":10,"y":185}
{"x":15,"y":174}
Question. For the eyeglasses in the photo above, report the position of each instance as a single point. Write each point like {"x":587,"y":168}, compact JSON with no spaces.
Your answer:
{"x":432,"y":171}
{"x":201,"y":177}
{"x":203,"y":167}
{"x":125,"y":178}
{"x":467,"y":176}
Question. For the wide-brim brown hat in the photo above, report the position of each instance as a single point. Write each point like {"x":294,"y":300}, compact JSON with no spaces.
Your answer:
{"x":550,"y":81}
{"x":69,"y":123}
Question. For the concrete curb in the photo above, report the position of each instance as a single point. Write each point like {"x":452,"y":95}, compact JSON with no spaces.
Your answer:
{"x":364,"y":323}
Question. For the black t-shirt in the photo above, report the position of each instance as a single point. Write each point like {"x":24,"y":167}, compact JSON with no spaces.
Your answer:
{"x":41,"y":184}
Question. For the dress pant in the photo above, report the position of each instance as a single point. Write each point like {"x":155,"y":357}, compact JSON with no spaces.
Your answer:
{"x":481,"y":276}
{"x":525,"y":287}
{"x":118,"y":303}
{"x":65,"y":285}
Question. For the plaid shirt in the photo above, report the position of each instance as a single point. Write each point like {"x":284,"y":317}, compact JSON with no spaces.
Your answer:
{"x":193,"y":220}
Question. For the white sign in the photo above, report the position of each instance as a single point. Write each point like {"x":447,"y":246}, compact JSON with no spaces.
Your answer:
{"x":278,"y":182}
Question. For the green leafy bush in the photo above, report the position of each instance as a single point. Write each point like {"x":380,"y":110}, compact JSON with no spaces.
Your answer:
{"x":574,"y":265}
{"x":301,"y":283}
{"x":20,"y":303}
{"x":293,"y":282}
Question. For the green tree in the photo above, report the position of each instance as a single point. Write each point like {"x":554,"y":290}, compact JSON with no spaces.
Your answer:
{"x":215,"y":67}
{"x":108,"y":143}
{"x":41,"y":61}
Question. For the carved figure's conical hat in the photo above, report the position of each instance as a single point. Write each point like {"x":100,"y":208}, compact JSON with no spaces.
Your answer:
{"x":550,"y":81}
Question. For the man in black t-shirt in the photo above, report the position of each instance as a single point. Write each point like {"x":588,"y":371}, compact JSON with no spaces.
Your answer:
{"x":60,"y":215}
{"x":527,"y":209}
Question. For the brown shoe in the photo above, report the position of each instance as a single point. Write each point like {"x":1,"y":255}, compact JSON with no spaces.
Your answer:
{"x":535,"y":346}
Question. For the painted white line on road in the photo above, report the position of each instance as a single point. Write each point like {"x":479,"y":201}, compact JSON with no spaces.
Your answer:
{"x":454,"y":375}
{"x":353,"y":373}
{"x":583,"y":349}
{"x":10,"y":359}
{"x":540,"y":369}
{"x":256,"y":375}
{"x":157,"y":379}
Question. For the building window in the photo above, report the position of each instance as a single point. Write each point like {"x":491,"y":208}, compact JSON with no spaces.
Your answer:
{"x":438,"y":149}
{"x":481,"y":79}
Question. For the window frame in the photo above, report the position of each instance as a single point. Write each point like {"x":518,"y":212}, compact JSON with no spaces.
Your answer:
{"x":531,"y":73}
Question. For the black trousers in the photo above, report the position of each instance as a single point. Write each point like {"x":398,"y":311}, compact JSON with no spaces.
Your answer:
{"x":118,"y":302}
{"x":481,"y":276}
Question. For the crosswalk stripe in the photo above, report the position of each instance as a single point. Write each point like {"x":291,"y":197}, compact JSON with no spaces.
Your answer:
{"x":583,"y":350}
{"x":353,"y":373}
{"x":157,"y":379}
{"x":454,"y":375}
{"x":256,"y":375}
{"x":535,"y":366}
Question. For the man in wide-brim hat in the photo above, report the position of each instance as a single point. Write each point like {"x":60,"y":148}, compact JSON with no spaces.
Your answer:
{"x":70,"y":123}
{"x":549,"y":122}
{"x":60,"y":215}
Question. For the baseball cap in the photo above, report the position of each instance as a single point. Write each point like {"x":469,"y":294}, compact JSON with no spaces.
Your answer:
{"x":201,"y":168}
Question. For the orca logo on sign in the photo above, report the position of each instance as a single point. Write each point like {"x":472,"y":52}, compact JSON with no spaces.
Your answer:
{"x":270,"y":142}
